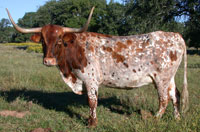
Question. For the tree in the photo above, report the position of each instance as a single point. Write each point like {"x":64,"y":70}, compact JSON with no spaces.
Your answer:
{"x":28,"y":21}
{"x":144,"y":16}
{"x":44,"y":14}
{"x":191,"y":9}
{"x":112,"y":20}
{"x":74,"y":14}
{"x":4,"y":23}
{"x":5,"y":31}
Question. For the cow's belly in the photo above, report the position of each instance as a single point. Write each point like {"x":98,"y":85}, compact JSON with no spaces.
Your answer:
{"x":128,"y":82}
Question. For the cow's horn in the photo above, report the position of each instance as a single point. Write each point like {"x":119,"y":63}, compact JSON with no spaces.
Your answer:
{"x":23,"y":30}
{"x":79,"y":30}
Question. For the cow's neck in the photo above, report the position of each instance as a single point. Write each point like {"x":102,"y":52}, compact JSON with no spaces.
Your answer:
{"x":71,"y":57}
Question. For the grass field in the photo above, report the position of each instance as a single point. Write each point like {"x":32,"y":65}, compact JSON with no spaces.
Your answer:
{"x":27,"y":85}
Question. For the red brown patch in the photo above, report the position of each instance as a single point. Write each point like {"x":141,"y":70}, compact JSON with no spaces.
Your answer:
{"x":69,"y":37}
{"x":129,"y":42}
{"x":92,"y":48}
{"x":100,"y":35}
{"x":139,"y":50}
{"x":103,"y":35}
{"x":83,"y":38}
{"x":115,"y":55}
{"x":146,"y":43}
{"x":73,"y":77}
{"x":118,"y":57}
{"x":87,"y":34}
{"x":173,"y":56}
{"x":93,"y":34}
{"x":36,"y":37}
{"x":155,"y":74}
{"x":107,"y":49}
{"x":120,"y":47}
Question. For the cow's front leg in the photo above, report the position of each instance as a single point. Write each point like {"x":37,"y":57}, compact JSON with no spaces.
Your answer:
{"x":92,"y":91}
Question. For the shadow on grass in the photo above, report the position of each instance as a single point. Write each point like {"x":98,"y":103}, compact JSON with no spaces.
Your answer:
{"x":22,"y":47}
{"x":63,"y":101}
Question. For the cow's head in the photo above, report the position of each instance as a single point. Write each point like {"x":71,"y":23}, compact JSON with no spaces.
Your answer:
{"x":51,"y":36}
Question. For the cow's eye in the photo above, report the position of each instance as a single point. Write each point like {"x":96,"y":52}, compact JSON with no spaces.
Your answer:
{"x":72,"y":41}
{"x":65,"y":44}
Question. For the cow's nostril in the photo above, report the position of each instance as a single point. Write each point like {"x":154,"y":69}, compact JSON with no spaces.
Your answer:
{"x":45,"y":61}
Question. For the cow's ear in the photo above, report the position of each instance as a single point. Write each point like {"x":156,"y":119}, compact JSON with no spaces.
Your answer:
{"x":36,"y":37}
{"x":69,"y":37}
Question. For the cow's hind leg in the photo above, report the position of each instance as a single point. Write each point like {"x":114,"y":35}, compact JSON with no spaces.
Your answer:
{"x":162,"y":87}
{"x":175,"y":96}
{"x":166,"y":91}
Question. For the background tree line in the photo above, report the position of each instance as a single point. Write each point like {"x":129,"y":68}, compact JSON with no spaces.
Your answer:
{"x":126,"y":17}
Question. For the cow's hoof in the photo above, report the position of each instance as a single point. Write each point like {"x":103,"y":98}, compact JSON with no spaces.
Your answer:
{"x":158,"y":115}
{"x":92,"y":122}
{"x":177,"y":118}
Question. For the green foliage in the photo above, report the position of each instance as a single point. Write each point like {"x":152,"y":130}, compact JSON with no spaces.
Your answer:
{"x":133,"y":17}
{"x":5,"y":31}
{"x":192,"y":30}
{"x":28,"y":21}
{"x":72,"y":13}
{"x":113,"y":19}
{"x":19,"y":37}
{"x":144,"y":16}
{"x":44,"y":14}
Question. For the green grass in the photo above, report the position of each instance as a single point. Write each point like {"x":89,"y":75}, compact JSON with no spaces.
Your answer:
{"x":23,"y":79}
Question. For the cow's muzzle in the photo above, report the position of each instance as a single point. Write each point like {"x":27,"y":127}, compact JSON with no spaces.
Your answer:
{"x":50,"y":61}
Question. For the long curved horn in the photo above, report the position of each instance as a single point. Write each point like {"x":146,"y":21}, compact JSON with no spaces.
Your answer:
{"x":79,"y":30}
{"x":23,"y":30}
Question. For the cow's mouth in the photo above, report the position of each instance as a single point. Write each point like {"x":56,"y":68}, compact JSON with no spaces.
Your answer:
{"x":50,"y":61}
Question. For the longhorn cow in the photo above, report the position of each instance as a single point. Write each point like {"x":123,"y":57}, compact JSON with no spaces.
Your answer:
{"x":87,"y":59}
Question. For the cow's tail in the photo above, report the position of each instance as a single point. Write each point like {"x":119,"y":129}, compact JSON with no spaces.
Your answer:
{"x":185,"y":94}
